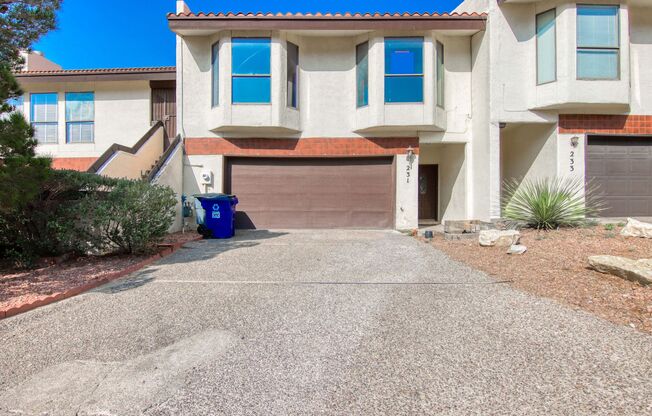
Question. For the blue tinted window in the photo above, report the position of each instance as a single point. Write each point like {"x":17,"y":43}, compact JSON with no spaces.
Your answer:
{"x":362,"y":74}
{"x":16,"y":103}
{"x":251,"y":89}
{"x":403,"y":56}
{"x":215,"y":74}
{"x":598,"y":42}
{"x":251,"y":70}
{"x":251,"y":56}
{"x":403,"y":70}
{"x":403,"y":89}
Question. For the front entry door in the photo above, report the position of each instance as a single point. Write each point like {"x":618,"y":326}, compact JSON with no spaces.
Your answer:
{"x":164,"y":107}
{"x":428,"y":191}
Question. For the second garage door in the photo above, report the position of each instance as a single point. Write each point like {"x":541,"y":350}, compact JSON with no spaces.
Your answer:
{"x":312,"y":192}
{"x":622,"y":168}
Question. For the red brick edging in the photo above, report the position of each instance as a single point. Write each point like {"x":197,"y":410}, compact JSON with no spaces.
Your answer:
{"x":166,"y":250}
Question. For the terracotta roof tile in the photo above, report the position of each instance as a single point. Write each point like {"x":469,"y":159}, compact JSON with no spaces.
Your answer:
{"x":317,"y":15}
{"x":99,"y":71}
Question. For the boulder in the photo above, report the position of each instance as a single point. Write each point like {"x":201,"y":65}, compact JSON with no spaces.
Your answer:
{"x":516,"y":249}
{"x":634,"y":270}
{"x":500,"y":238}
{"x":635,"y":228}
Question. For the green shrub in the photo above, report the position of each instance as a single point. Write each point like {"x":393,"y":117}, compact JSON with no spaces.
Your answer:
{"x":75,"y":212}
{"x":609,"y":227}
{"x":130,"y":217}
{"x":549,"y":203}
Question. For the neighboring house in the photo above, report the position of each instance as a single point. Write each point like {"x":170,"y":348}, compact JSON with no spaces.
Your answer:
{"x":79,"y":115}
{"x":566,"y":91}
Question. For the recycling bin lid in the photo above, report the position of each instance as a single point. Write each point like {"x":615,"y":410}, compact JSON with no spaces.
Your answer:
{"x":214,"y":196}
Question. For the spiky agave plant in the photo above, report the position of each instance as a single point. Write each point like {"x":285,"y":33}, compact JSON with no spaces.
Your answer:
{"x":550,"y":203}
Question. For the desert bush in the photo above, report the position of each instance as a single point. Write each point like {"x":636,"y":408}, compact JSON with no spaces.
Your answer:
{"x":549,"y":203}
{"x":75,"y":212}
{"x":130,"y":217}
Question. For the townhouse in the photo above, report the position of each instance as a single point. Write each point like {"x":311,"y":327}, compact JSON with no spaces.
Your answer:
{"x":392,"y":120}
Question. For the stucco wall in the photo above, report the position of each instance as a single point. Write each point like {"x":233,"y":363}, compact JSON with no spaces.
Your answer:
{"x":132,"y":166}
{"x":326,"y":89}
{"x":407,"y":192}
{"x":122,"y":115}
{"x":170,"y":175}
{"x":529,"y":151}
{"x":451,"y":159}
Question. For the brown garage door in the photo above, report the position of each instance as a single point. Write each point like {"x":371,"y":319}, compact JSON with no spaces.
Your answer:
{"x":622,"y":168}
{"x":312,"y":193}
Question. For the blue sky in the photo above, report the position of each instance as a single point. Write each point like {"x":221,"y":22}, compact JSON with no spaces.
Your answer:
{"x":102,"y":33}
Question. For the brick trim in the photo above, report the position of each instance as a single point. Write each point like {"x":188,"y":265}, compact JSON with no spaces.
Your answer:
{"x":326,"y":147}
{"x":605,"y":124}
{"x":73,"y":163}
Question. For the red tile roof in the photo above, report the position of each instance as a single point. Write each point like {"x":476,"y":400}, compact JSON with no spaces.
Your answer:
{"x":328,"y":15}
{"x":160,"y":73}
{"x":99,"y":71}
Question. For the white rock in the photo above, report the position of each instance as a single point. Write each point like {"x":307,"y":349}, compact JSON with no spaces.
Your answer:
{"x":635,"y":228}
{"x":516,"y":249}
{"x":634,"y":270}
{"x":500,"y":238}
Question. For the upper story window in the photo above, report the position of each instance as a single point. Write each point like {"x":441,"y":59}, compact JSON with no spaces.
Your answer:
{"x":546,"y":47}
{"x":80,"y":117}
{"x":440,"y":74}
{"x":16,"y":103}
{"x":215,"y":74}
{"x":43,"y":115}
{"x":404,"y":70}
{"x":251,"y":70}
{"x":598,"y":42}
{"x":362,"y":74}
{"x":292,"y":75}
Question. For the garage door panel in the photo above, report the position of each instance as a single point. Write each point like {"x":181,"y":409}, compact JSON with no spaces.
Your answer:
{"x":622,"y":168}
{"x":312,"y":192}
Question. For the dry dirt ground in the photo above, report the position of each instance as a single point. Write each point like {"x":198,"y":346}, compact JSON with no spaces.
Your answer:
{"x":555,"y":266}
{"x":18,"y":287}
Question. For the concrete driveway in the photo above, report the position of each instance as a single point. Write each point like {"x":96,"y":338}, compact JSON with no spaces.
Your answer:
{"x":318,"y":322}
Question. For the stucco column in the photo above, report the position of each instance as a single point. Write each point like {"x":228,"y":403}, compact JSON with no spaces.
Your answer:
{"x":494,"y":171}
{"x":407,"y":192}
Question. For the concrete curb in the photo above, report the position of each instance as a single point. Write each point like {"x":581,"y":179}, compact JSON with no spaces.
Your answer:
{"x":164,"y":251}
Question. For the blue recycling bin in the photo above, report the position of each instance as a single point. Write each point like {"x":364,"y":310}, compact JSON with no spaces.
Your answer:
{"x":218,"y":217}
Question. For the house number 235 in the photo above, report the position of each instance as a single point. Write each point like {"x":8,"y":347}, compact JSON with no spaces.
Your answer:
{"x":571,"y":161}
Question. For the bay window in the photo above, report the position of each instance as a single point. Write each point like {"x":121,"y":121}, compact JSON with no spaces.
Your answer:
{"x":215,"y":74}
{"x":251,"y":70}
{"x":362,"y":74}
{"x":404,"y":70}
{"x":440,"y":74}
{"x":292,"y":75}
{"x":598,"y":42}
{"x":546,"y":47}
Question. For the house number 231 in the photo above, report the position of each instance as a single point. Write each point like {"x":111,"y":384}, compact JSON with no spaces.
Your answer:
{"x":571,"y":161}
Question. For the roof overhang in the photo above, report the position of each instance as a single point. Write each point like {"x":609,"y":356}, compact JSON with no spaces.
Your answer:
{"x":197,"y":24}
{"x":98,"y":75}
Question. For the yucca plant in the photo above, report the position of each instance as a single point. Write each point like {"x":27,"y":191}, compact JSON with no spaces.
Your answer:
{"x":550,"y":203}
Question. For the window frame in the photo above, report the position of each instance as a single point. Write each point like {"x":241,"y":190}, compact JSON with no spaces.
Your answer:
{"x":440,"y":68}
{"x":46,"y":123}
{"x":79,"y":122}
{"x":294,"y":103}
{"x":421,"y":75}
{"x":597,"y":48}
{"x":364,"y":102}
{"x":536,"y":35}
{"x":269,"y":75}
{"x":215,"y":74}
